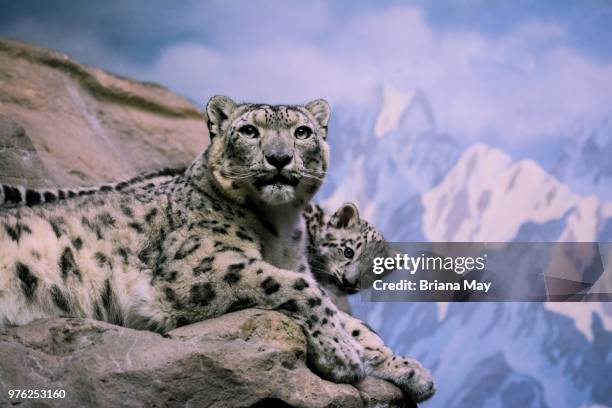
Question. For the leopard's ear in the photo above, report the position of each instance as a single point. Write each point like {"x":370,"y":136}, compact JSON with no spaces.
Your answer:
{"x":218,"y":110}
{"x":319,"y":108}
{"x":346,"y":216}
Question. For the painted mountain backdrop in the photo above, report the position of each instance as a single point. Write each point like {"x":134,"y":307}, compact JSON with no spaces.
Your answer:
{"x":416,"y":182}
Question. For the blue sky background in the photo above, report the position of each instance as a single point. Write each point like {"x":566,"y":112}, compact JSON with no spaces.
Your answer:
{"x":506,"y":70}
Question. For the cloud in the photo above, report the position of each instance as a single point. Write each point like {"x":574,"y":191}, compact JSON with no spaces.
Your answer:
{"x":525,"y":84}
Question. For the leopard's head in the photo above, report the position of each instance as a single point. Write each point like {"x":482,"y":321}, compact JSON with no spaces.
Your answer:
{"x":346,"y":248}
{"x":269,"y":155}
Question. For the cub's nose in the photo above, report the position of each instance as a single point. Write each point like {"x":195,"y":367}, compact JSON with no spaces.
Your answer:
{"x":279,"y":160}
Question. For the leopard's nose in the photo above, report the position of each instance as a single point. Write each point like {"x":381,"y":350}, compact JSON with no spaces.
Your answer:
{"x":279,"y":160}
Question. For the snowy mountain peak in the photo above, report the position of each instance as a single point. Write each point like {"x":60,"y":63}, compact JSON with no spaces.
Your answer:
{"x":396,"y":105}
{"x":488,"y":197}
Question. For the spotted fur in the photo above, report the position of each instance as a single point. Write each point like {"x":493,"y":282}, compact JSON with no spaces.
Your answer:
{"x":224,"y":235}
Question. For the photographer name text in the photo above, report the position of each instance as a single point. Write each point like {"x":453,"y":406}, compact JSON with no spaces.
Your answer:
{"x":425,"y":285}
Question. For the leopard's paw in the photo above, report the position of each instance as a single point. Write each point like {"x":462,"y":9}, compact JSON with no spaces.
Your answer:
{"x":408,"y":374}
{"x":336,"y":356}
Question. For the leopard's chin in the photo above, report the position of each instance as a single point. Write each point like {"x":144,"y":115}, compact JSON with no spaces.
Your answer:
{"x":277,"y":194}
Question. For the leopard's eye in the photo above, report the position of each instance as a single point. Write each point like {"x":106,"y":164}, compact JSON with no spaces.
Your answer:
{"x":303,"y":132}
{"x":349,"y":253}
{"x":249,"y":131}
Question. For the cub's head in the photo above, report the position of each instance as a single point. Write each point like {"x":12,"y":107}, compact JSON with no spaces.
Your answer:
{"x":346,"y":249}
{"x":268,"y":154}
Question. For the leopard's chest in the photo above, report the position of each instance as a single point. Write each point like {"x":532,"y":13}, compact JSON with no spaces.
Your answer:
{"x":287,"y":248}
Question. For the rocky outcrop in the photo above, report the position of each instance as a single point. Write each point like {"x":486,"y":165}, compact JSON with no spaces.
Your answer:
{"x":243,"y":359}
{"x":65,"y":124}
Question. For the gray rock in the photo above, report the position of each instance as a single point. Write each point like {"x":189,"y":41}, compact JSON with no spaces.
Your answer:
{"x":66,"y":124}
{"x":238,"y":360}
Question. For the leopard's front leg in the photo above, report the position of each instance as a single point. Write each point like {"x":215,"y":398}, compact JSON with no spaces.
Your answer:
{"x":232,"y":281}
{"x":407,"y":373}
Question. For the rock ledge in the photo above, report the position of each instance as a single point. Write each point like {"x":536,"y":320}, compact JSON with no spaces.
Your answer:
{"x":243,"y":359}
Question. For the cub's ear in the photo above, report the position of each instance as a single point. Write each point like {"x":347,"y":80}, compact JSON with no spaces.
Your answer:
{"x":346,"y":216}
{"x":320,"y":110}
{"x":218,"y":109}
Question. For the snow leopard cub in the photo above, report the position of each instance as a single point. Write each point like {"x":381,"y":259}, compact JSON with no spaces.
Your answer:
{"x":342,"y":246}
{"x":341,"y":249}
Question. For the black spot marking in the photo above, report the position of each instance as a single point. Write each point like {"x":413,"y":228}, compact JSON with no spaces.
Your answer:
{"x":169,"y":276}
{"x":60,"y":300}
{"x":219,"y":230}
{"x":329,"y":312}
{"x":191,"y":244}
{"x":49,"y":197}
{"x":290,"y":306}
{"x":123,"y":253}
{"x":221,"y":247}
{"x":32,"y":197}
{"x":241,"y":303}
{"x":233,"y":273}
{"x":127,"y":211}
{"x":92,"y":226}
{"x":11,"y":194}
{"x":29,"y":282}
{"x":68,"y":265}
{"x":300,"y":284}
{"x":105,"y":219}
{"x":355,"y":333}
{"x":109,"y":302}
{"x":16,"y":231}
{"x":12,"y":232}
{"x":173,"y":298}
{"x":136,"y":227}
{"x":102,"y":259}
{"x":77,"y":242}
{"x":56,"y":226}
{"x":312,"y":302}
{"x":201,"y":294}
{"x":205,"y":266}
{"x":23,"y":228}
{"x":270,"y":285}
{"x":150,"y":215}
{"x":243,"y":236}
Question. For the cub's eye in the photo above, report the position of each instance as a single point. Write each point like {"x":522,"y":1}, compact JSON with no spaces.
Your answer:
{"x":249,"y":131}
{"x":303,"y":132}
{"x":349,"y":253}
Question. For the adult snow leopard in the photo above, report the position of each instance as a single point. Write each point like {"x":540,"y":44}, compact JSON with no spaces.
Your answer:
{"x":225,"y":235}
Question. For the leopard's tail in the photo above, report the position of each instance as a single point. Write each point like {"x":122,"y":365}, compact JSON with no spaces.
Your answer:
{"x":17,"y":196}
